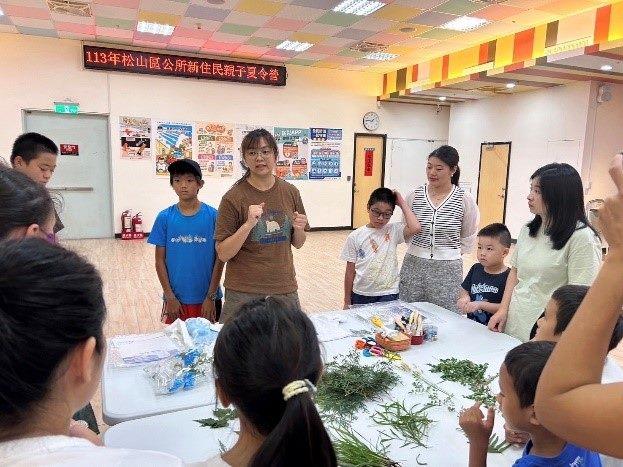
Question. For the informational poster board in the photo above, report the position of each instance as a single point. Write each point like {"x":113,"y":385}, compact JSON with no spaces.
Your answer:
{"x":293,"y":160}
{"x":325,"y":153}
{"x":216,"y":151}
{"x":173,"y":141}
{"x":135,"y":138}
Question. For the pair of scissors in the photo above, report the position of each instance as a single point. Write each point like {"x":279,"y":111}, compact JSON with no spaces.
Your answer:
{"x":374,"y":351}
{"x":364,"y":343}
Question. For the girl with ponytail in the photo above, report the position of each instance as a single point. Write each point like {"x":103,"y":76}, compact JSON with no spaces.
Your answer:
{"x":266,"y":363}
{"x":432,"y":270}
{"x":52,"y":347}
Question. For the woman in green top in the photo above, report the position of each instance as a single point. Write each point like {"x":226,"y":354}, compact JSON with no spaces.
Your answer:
{"x":558,"y":247}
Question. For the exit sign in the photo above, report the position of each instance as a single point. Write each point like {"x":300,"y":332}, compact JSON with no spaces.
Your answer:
{"x":66,"y":108}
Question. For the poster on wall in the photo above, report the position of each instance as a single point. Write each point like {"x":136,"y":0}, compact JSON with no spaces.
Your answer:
{"x":293,"y":158}
{"x":216,"y":152}
{"x":240,"y":131}
{"x":135,"y":138}
{"x":173,"y":141}
{"x":325,"y":153}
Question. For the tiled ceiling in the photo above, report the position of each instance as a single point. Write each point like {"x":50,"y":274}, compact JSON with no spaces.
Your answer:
{"x":252,"y":28}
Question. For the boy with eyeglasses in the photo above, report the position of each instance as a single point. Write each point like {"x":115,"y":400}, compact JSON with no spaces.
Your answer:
{"x":372,"y":273}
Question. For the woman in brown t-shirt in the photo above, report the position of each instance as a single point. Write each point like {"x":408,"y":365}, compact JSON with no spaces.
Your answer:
{"x":258,"y":219}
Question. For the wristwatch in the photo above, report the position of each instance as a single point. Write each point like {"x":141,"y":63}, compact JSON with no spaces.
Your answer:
{"x":212,"y":296}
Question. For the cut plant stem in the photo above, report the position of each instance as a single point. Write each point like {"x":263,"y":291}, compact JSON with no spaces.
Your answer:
{"x":352,"y":451}
{"x":410,"y":424}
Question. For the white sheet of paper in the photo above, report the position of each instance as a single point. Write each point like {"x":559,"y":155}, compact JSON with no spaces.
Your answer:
{"x":140,"y":345}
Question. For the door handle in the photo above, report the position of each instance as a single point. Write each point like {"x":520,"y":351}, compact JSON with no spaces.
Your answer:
{"x":71,"y":188}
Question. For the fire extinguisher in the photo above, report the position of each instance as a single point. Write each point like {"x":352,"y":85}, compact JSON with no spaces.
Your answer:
{"x":137,"y":223}
{"x":126,"y":222}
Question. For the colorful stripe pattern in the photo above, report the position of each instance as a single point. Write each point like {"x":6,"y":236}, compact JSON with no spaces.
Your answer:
{"x":587,"y":32}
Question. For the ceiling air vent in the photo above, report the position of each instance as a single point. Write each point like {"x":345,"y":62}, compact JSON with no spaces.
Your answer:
{"x":70,"y":7}
{"x":493,"y":89}
{"x":368,"y":47}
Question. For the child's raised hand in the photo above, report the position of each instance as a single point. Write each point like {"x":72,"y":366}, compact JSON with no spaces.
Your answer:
{"x":611,"y":214}
{"x":477,"y":428}
{"x":400,"y":201}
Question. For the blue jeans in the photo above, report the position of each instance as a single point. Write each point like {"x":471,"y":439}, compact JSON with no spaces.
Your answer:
{"x":356,"y":299}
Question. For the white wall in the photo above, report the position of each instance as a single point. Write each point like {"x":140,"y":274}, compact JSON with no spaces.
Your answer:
{"x":604,"y":139}
{"x":46,"y":70}
{"x":529,"y":121}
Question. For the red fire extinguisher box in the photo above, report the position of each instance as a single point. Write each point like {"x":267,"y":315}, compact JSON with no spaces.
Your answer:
{"x":137,"y":227}
{"x":131,"y":226}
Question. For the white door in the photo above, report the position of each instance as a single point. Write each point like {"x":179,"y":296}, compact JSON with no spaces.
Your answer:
{"x":405,"y":168}
{"x":81,"y":181}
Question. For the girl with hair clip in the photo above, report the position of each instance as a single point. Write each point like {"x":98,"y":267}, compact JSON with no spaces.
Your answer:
{"x":432,"y":270}
{"x":52,"y":347}
{"x":556,"y":248}
{"x":259,"y":220}
{"x":266,"y":363}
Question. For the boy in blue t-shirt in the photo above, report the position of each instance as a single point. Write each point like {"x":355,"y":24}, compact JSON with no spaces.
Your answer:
{"x":483,"y":287}
{"x":519,"y":376}
{"x":186,"y":262}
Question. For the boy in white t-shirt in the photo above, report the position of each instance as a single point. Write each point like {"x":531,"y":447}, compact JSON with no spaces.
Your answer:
{"x":372,"y":273}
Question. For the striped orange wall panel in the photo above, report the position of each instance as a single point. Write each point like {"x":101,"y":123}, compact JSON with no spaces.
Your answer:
{"x":504,"y":51}
{"x":602,"y":24}
{"x":551,"y":34}
{"x":522,"y":46}
{"x":598,"y":26}
{"x":423,"y":73}
{"x":483,"y":53}
{"x":538,"y":49}
{"x":391,"y":82}
{"x":576,"y":27}
{"x":616,"y":22}
{"x":436,"y":68}
{"x":466,"y":58}
{"x":401,"y":79}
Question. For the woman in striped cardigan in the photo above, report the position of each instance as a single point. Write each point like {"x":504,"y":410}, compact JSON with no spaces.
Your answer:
{"x":432,"y":270}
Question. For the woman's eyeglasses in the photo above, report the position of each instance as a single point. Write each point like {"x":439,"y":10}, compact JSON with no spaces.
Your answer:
{"x":264,"y":152}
